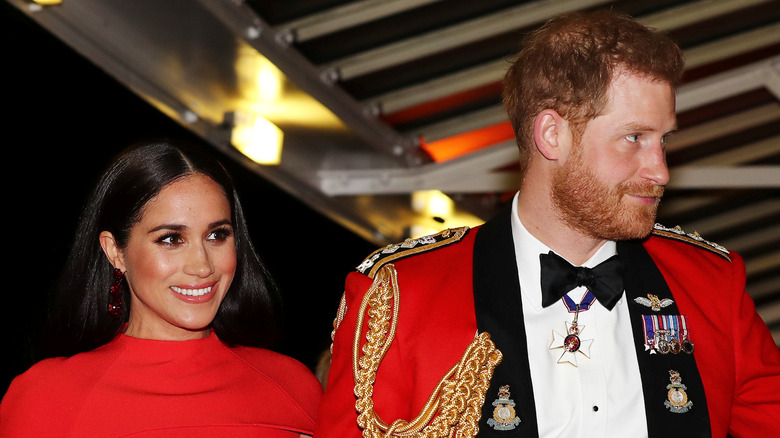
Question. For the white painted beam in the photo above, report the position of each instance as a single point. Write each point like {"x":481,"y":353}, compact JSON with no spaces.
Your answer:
{"x":346,"y":16}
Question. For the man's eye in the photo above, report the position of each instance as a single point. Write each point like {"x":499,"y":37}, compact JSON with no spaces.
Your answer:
{"x":633,"y":138}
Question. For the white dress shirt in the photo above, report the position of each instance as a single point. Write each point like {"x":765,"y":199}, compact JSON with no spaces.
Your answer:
{"x":602,"y":395}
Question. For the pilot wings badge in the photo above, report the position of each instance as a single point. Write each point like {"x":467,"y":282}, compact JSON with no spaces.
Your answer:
{"x":653,"y":302}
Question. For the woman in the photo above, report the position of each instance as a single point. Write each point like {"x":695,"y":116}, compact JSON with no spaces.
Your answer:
{"x":162,"y":306}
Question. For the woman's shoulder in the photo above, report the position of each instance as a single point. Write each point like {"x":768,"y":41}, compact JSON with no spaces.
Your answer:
{"x":41,"y":375}
{"x":61,"y":373}
{"x":288,"y":374}
{"x":277,"y":366}
{"x":51,"y":385}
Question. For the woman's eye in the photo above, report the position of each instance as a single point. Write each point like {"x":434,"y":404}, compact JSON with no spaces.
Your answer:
{"x":220,"y":235}
{"x":170,"y":240}
{"x":633,"y":138}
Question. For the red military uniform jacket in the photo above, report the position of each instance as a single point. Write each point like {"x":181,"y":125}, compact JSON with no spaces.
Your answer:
{"x":458,"y":283}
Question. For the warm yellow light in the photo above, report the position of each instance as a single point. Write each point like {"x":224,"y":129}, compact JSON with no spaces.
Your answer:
{"x":258,"y":139}
{"x":437,"y":211}
{"x":269,"y":82}
{"x":259,"y":79}
{"x":432,"y":203}
{"x":263,"y":89}
{"x":47,"y":2}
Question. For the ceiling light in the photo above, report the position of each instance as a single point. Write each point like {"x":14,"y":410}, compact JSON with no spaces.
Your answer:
{"x":257,"y":138}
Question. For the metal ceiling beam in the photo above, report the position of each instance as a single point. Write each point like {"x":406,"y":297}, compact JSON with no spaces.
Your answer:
{"x":689,"y":96}
{"x":727,"y":47}
{"x":764,"y":287}
{"x":463,"y":175}
{"x":440,"y":87}
{"x":454,"y":36}
{"x":493,"y":71}
{"x":729,"y":84}
{"x":672,"y":207}
{"x":757,"y":75}
{"x":715,"y":223}
{"x":454,"y":180}
{"x":245,"y":23}
{"x":724,"y":126}
{"x":741,"y":155}
{"x":344,"y":17}
{"x":770,"y":313}
{"x":753,"y":238}
{"x":724,"y":177}
{"x":463,"y":123}
{"x":763,"y":263}
{"x":690,"y":13}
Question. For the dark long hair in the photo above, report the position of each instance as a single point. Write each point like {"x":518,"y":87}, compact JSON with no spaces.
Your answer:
{"x":80,"y":319}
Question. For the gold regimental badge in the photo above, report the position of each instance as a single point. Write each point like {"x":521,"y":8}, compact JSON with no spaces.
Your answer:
{"x":504,"y":416}
{"x":677,"y":399}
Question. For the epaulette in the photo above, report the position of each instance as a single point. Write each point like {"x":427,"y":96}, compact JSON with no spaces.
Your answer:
{"x":409,"y":247}
{"x":694,"y":238}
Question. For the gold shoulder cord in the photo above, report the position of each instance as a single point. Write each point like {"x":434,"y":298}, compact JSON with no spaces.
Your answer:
{"x":454,"y":407}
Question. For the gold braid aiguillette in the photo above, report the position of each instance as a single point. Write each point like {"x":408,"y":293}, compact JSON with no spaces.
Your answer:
{"x":453,"y":409}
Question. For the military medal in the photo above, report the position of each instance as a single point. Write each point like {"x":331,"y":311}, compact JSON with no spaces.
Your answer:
{"x":571,"y":343}
{"x":504,"y":416}
{"x":667,"y":334}
{"x":687,"y":346}
{"x":677,"y":399}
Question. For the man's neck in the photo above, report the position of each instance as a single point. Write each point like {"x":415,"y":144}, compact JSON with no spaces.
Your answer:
{"x":543,"y":221}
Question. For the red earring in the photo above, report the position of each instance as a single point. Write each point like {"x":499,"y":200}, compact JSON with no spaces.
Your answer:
{"x":115,"y":306}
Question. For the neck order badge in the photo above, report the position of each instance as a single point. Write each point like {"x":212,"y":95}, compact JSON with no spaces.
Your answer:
{"x":571,"y":343}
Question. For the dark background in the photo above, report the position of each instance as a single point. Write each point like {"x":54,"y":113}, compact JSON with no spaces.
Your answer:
{"x":63,"y":120}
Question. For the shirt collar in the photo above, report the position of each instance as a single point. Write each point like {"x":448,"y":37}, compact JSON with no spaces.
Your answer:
{"x":527,"y":250}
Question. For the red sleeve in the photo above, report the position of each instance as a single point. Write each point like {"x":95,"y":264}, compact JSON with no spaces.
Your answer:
{"x":738,"y":360}
{"x":756,"y":402}
{"x":39,"y":402}
{"x":338,"y":416}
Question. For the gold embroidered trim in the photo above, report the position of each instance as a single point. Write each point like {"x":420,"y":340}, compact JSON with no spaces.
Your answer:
{"x":694,"y":238}
{"x":409,"y":247}
{"x":339,"y":317}
{"x":454,"y":407}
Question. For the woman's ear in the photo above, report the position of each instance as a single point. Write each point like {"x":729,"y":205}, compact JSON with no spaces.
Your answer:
{"x":112,"y":250}
{"x":551,"y":132}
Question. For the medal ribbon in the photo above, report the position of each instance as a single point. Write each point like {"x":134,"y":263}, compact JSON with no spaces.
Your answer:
{"x":584,"y":305}
{"x":674,"y":326}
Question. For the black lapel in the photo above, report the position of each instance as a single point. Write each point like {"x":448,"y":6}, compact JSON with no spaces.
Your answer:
{"x":499,"y":311}
{"x":642,"y":277}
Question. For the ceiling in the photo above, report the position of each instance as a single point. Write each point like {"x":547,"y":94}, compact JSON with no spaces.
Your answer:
{"x":384,"y":98}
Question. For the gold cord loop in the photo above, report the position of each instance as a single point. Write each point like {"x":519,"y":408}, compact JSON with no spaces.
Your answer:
{"x":454,"y":407}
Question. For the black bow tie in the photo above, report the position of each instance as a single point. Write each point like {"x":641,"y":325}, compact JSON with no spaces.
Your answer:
{"x":559,"y":277}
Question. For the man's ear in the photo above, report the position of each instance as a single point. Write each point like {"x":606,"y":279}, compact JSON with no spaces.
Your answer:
{"x":112,"y":250}
{"x":551,"y":134}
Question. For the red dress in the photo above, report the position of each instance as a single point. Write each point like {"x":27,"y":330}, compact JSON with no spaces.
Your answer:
{"x":146,"y":388}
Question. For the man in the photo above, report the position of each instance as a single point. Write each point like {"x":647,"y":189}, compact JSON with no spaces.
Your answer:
{"x":494,"y":330}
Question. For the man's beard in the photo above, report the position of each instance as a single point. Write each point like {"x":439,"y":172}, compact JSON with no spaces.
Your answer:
{"x":596,"y":210}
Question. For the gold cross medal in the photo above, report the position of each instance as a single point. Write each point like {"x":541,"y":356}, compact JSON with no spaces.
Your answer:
{"x":571,"y":343}
{"x":504,"y":417}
